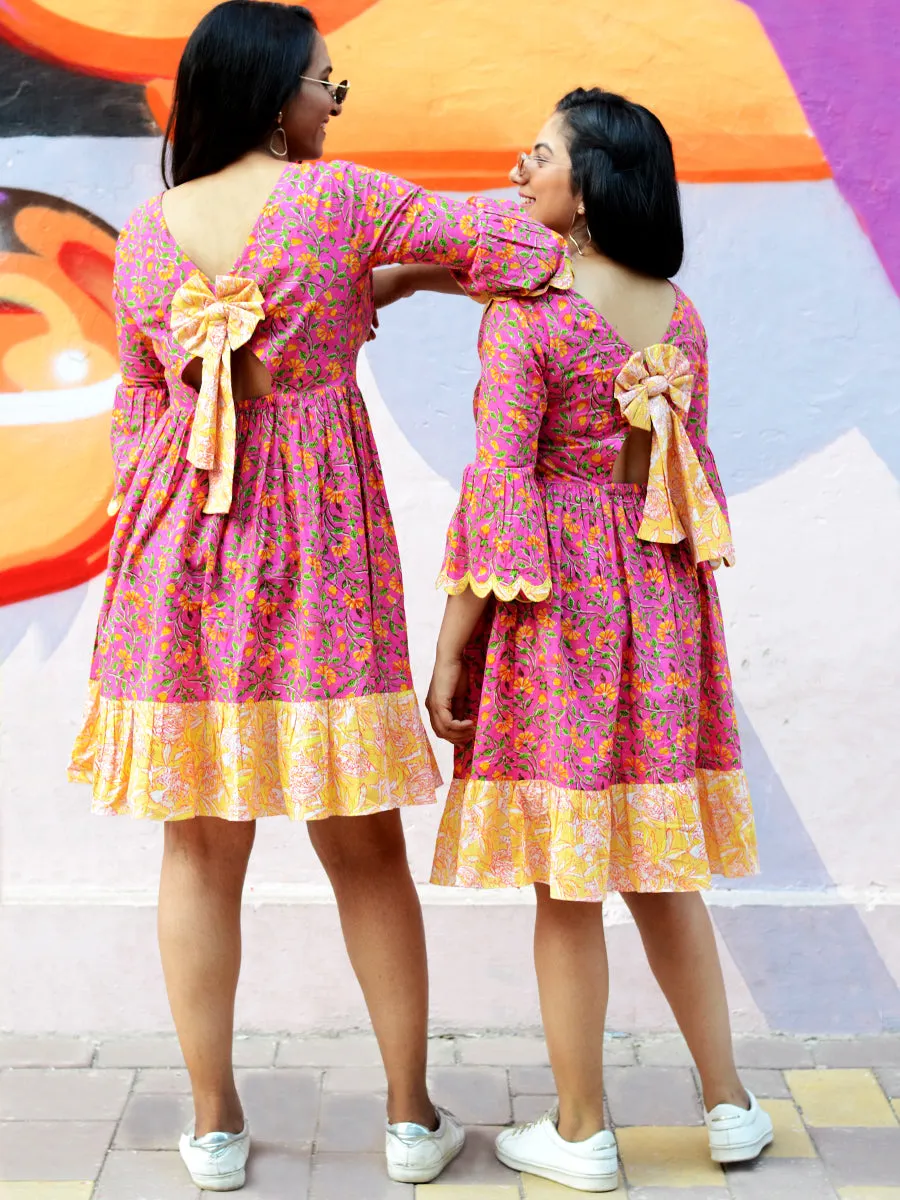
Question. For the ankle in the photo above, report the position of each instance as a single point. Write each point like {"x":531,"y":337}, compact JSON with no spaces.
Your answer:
{"x":217,"y":1114}
{"x":416,"y":1108}
{"x":578,"y":1123}
{"x":728,"y":1093}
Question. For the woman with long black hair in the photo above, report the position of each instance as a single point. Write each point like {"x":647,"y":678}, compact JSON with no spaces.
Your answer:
{"x":251,"y":656}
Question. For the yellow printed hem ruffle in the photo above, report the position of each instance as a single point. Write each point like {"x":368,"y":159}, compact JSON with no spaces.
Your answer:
{"x":306,"y":760}
{"x":650,"y":837}
{"x":493,"y":585}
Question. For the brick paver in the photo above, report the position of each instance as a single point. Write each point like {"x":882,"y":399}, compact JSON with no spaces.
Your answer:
{"x":82,"y":1120}
{"x":652,"y":1096}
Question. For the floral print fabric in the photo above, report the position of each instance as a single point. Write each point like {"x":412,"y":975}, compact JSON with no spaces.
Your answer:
{"x":254,"y":661}
{"x":606,"y":753}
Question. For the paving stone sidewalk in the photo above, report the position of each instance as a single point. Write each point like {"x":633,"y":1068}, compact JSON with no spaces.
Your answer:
{"x":87,"y":1120}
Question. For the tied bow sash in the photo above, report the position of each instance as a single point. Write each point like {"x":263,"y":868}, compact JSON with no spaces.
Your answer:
{"x":210,"y":327}
{"x":654,"y":392}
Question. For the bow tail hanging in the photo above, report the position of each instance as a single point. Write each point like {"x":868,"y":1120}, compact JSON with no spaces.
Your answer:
{"x":221,"y":477}
{"x":663,"y":517}
{"x":201,"y":451}
{"x":208,"y":445}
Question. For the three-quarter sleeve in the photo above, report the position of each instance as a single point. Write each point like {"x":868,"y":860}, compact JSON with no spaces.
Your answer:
{"x":493,"y":248}
{"x":141,"y":396}
{"x":497,"y":540}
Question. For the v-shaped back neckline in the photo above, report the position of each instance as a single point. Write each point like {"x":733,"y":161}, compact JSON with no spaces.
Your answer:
{"x":610,"y":328}
{"x":249,"y":241}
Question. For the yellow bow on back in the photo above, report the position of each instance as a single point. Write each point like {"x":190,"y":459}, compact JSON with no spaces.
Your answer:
{"x":654,"y":392}
{"x":210,"y":327}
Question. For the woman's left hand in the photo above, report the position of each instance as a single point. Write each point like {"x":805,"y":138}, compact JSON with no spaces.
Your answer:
{"x":390,"y":284}
{"x":448,"y":686}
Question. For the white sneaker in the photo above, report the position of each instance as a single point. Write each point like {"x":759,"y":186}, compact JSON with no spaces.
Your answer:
{"x":418,"y":1155}
{"x":217,"y":1161}
{"x":588,"y":1166}
{"x":738,"y":1134}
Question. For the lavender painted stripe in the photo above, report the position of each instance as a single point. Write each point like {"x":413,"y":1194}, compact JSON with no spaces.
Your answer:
{"x":812,"y":970}
{"x":844,"y":62}
{"x":788,"y":855}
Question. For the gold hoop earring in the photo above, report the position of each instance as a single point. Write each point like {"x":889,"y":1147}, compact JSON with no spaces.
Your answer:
{"x":280,"y":151}
{"x":570,"y":236}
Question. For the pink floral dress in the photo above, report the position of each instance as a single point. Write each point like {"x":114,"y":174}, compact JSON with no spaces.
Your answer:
{"x":606,"y":754}
{"x":251,"y":655}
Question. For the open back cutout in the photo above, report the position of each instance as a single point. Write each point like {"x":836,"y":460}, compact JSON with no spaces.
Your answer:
{"x":211,"y":221}
{"x":632,"y":463}
{"x":250,"y":378}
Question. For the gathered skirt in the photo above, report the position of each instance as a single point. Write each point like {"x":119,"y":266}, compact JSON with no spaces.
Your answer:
{"x":255,"y":663}
{"x":607,"y":755}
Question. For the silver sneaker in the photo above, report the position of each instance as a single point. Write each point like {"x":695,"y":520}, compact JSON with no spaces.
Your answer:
{"x":217,"y":1162}
{"x":418,"y":1155}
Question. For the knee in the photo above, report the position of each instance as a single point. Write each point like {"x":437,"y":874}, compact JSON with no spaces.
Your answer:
{"x":655,"y":910}
{"x":209,"y":843}
{"x":354,"y":846}
{"x":573,"y":914}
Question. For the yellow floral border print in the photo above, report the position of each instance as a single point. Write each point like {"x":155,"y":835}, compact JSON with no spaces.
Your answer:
{"x":650,"y":837}
{"x":306,"y":760}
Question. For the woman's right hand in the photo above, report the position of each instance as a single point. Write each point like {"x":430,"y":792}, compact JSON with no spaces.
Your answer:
{"x":448,"y":686}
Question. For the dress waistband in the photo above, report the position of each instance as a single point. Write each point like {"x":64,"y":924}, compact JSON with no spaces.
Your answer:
{"x":592,"y":486}
{"x":184,"y":399}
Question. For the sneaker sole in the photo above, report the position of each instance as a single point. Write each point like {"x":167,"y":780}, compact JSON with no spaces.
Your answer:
{"x":745,"y":1153}
{"x":581,"y":1183}
{"x":221,"y":1183}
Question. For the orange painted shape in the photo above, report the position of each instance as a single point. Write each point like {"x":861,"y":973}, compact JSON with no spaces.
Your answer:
{"x":159,"y":93}
{"x":447,"y":94}
{"x":53,"y":498}
{"x":16,"y":327}
{"x":114,"y":39}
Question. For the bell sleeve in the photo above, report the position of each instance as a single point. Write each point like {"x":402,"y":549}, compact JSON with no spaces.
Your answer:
{"x":497,"y":540}
{"x":141,"y":396}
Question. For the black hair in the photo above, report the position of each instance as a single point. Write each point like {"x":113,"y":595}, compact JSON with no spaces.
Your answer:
{"x":624,"y":170}
{"x":239,"y":67}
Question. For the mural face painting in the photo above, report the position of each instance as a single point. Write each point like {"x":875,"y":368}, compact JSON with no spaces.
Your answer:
{"x":789,"y":161}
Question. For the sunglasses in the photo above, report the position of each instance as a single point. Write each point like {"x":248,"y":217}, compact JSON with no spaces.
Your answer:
{"x":337,"y":91}
{"x":534,"y":159}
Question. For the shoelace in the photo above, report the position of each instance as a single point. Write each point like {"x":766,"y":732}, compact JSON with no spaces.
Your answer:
{"x":552,"y":1116}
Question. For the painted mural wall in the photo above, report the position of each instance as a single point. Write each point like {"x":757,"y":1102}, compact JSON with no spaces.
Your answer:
{"x":783,"y":116}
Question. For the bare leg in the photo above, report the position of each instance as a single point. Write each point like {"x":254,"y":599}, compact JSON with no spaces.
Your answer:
{"x":573,"y":980}
{"x":365,"y":859}
{"x":681,"y":949}
{"x":204,"y":864}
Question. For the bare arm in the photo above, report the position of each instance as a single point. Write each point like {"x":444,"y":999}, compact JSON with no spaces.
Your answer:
{"x":397,"y":283}
{"x":448,"y":681}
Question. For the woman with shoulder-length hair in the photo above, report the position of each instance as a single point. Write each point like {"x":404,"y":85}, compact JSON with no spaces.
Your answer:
{"x":581,"y":669}
{"x":251,"y":656}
